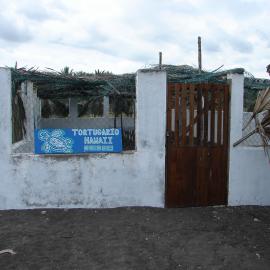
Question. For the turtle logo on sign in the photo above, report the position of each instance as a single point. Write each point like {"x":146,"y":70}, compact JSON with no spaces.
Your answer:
{"x":55,"y":141}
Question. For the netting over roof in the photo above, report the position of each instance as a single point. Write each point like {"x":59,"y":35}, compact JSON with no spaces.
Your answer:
{"x":252,"y":87}
{"x":55,"y":84}
{"x":188,"y":74}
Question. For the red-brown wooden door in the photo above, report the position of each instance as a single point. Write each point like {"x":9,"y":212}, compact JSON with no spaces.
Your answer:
{"x":197,"y":144}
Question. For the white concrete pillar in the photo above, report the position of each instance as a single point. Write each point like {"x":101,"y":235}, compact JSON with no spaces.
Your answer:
{"x":37,"y":109}
{"x":29,"y":99}
{"x":73,"y":111}
{"x":237,"y":103}
{"x":236,"y":125}
{"x":151,"y":92}
{"x":5,"y":113}
{"x":106,"y":107}
{"x":29,"y":110}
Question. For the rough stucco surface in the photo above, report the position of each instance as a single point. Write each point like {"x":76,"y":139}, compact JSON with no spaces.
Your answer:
{"x":249,"y":177}
{"x":249,"y":170}
{"x":98,"y":180}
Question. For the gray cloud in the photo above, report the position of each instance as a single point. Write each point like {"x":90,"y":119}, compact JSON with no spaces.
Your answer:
{"x":36,"y":14}
{"x":13,"y":32}
{"x":211,"y":46}
{"x":41,"y":10}
{"x":134,"y":31}
{"x":112,"y":48}
{"x":243,"y":9}
{"x":105,"y":43}
{"x":220,"y":38}
{"x":240,"y":45}
{"x":264,"y":35}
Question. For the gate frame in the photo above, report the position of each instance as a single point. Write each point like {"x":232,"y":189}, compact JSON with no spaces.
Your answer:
{"x":230,"y":78}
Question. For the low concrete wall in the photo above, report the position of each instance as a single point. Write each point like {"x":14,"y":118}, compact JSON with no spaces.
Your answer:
{"x":249,"y":177}
{"x":96,"y":180}
{"x":249,"y":169}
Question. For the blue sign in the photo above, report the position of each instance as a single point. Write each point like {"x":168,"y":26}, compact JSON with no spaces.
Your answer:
{"x":72,"y":141}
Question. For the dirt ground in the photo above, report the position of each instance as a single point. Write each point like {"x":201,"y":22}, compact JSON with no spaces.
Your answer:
{"x":136,"y":238}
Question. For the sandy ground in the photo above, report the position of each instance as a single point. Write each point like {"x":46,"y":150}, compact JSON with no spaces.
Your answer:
{"x":137,"y":238}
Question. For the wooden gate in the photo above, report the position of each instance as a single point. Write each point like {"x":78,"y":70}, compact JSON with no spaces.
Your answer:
{"x":197,"y":144}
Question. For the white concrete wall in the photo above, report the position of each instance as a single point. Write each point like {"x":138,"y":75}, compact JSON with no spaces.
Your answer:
{"x":126,"y":179}
{"x":249,"y":169}
{"x":97,"y":180}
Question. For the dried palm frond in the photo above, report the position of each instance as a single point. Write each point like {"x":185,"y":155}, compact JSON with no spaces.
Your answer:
{"x":262,"y":104}
{"x":262,"y":127}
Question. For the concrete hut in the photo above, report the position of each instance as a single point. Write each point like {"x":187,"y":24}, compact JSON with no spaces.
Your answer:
{"x":150,"y":171}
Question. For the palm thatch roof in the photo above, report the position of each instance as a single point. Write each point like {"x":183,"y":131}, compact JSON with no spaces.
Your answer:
{"x":67,"y":83}
{"x":53,"y":84}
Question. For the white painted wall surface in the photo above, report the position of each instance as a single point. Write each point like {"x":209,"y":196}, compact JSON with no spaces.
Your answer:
{"x":249,"y":170}
{"x":97,"y":180}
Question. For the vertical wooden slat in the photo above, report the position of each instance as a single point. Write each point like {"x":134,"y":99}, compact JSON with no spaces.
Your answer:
{"x":197,"y":173}
{"x":168,"y":177}
{"x":202,"y":179}
{"x":184,"y":113}
{"x":169,"y":106}
{"x":219,"y":118}
{"x":199,"y":113}
{"x":212,"y":130}
{"x":206,"y":118}
{"x":191,"y":114}
{"x":176,"y":133}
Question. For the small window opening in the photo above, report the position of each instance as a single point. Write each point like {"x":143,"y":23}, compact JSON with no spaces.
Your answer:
{"x":90,"y":108}
{"x":124,"y":106}
{"x":55,"y":108}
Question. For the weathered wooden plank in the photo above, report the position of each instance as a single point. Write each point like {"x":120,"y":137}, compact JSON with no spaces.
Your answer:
{"x":219,"y":111}
{"x":213,"y":114}
{"x":217,"y":186}
{"x":199,"y":112}
{"x":184,"y":189}
{"x":184,"y":114}
{"x":177,"y":95}
{"x":169,"y":105}
{"x":202,"y":177}
{"x":206,"y":118}
{"x":191,"y":114}
{"x":171,"y":181}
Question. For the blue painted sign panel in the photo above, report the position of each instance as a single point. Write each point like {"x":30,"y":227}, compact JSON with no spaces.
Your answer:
{"x":72,"y":141}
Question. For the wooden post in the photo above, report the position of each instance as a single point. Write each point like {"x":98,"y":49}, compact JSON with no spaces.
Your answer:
{"x":160,"y":60}
{"x":200,"y":54}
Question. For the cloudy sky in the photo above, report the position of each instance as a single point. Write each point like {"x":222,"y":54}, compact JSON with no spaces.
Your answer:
{"x":124,"y":35}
